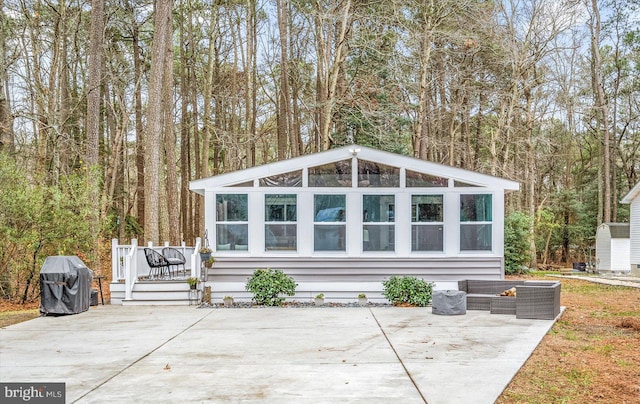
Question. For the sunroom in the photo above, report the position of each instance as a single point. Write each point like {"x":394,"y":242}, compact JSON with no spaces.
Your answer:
{"x":342,"y":221}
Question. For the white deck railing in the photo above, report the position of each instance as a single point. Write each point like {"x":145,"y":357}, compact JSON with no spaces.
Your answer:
{"x":128,"y":261}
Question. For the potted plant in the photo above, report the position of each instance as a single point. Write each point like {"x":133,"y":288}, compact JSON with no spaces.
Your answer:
{"x":209,"y":262}
{"x":193,"y":282}
{"x":205,"y":253}
{"x":362,"y":299}
{"x":319,"y":299}
{"x":228,"y":301}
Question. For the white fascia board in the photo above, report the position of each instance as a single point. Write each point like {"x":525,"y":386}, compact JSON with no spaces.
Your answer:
{"x":633,"y":194}
{"x":346,"y":152}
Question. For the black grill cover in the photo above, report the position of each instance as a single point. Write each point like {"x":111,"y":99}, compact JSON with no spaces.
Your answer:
{"x":65,"y":285}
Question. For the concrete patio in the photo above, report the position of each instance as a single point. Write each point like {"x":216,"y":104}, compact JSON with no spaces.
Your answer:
{"x":302,"y":355}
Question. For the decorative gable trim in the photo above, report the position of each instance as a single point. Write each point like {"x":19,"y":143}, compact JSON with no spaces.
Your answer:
{"x":458,"y":175}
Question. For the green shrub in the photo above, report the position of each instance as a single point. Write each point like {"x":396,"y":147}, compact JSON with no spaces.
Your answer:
{"x":268,"y":284}
{"x":517,"y":242}
{"x":408,"y":289}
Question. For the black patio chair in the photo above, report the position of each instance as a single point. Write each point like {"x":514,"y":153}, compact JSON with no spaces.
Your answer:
{"x":175,"y":258}
{"x":157,"y":263}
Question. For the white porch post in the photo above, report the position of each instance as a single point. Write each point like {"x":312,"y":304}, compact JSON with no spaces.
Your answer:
{"x":114,"y":259}
{"x":195,"y":259}
{"x":131,"y":269}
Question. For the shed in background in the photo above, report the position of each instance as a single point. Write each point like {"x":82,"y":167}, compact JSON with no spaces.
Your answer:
{"x":613,"y":247}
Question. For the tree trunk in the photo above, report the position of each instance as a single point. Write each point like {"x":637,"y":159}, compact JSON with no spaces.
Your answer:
{"x":284,"y":96}
{"x":185,"y":144}
{"x":421,"y":135}
{"x":171,"y":187}
{"x":602,"y":109}
{"x":96,"y":56}
{"x":251,"y":69}
{"x":7,"y":140}
{"x":153,"y":137}
{"x":332,"y":75}
{"x":137,"y":75}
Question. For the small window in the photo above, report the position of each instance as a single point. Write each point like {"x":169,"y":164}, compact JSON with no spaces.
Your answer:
{"x":421,"y":180}
{"x":475,"y":208}
{"x":460,"y":184}
{"x":336,"y":174}
{"x":378,"y":228}
{"x":329,"y":222}
{"x":246,"y":184}
{"x":475,"y":222}
{"x":290,"y":179}
{"x":376,"y":175}
{"x":231,"y":222}
{"x":280,"y":222}
{"x":427,"y":227}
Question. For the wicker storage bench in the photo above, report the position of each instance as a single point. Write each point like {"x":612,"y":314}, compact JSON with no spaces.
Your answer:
{"x":503,"y":305}
{"x":538,"y":300}
{"x":481,"y":292}
{"x":534,"y":299}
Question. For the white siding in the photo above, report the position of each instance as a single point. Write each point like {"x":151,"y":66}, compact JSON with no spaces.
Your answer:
{"x":620,"y":260}
{"x":343,"y":279}
{"x":635,"y":234}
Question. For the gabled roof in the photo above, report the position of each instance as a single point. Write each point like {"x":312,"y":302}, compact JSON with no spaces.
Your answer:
{"x":618,"y":230}
{"x":347,"y":152}
{"x":633,"y":194}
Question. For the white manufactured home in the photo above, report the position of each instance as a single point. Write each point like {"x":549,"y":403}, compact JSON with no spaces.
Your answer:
{"x":633,"y":199}
{"x":612,"y":247}
{"x":342,"y":221}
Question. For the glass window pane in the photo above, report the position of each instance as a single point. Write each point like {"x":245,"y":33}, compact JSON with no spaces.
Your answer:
{"x":426,"y":237}
{"x":336,"y":174}
{"x":475,"y":208}
{"x":421,"y":180}
{"x":378,"y":208}
{"x":426,"y":208}
{"x":280,"y":208}
{"x":243,"y":184}
{"x":460,"y":184}
{"x":378,"y":237}
{"x":330,"y":208}
{"x":280,"y":237}
{"x":474,"y":237}
{"x":231,"y":208}
{"x":291,"y":179}
{"x":329,"y":237}
{"x":231,"y":237}
{"x":378,"y":175}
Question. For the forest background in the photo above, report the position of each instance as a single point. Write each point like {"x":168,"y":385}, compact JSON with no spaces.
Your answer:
{"x":109,"y":108}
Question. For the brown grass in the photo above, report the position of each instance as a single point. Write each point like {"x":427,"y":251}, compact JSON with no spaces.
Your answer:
{"x":591,"y":355}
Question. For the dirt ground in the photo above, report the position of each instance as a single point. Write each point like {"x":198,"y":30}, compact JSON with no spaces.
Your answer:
{"x":591,"y":355}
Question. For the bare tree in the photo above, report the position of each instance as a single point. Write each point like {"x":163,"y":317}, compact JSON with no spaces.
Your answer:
{"x":331,"y":53}
{"x":7,"y":141}
{"x":284,"y":100}
{"x":602,"y":114}
{"x":171,"y":187}
{"x":153,"y":136}
{"x":96,"y":56}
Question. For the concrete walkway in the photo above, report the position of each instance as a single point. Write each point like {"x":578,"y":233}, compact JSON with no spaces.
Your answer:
{"x":150,"y":354}
{"x":628,"y":281}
